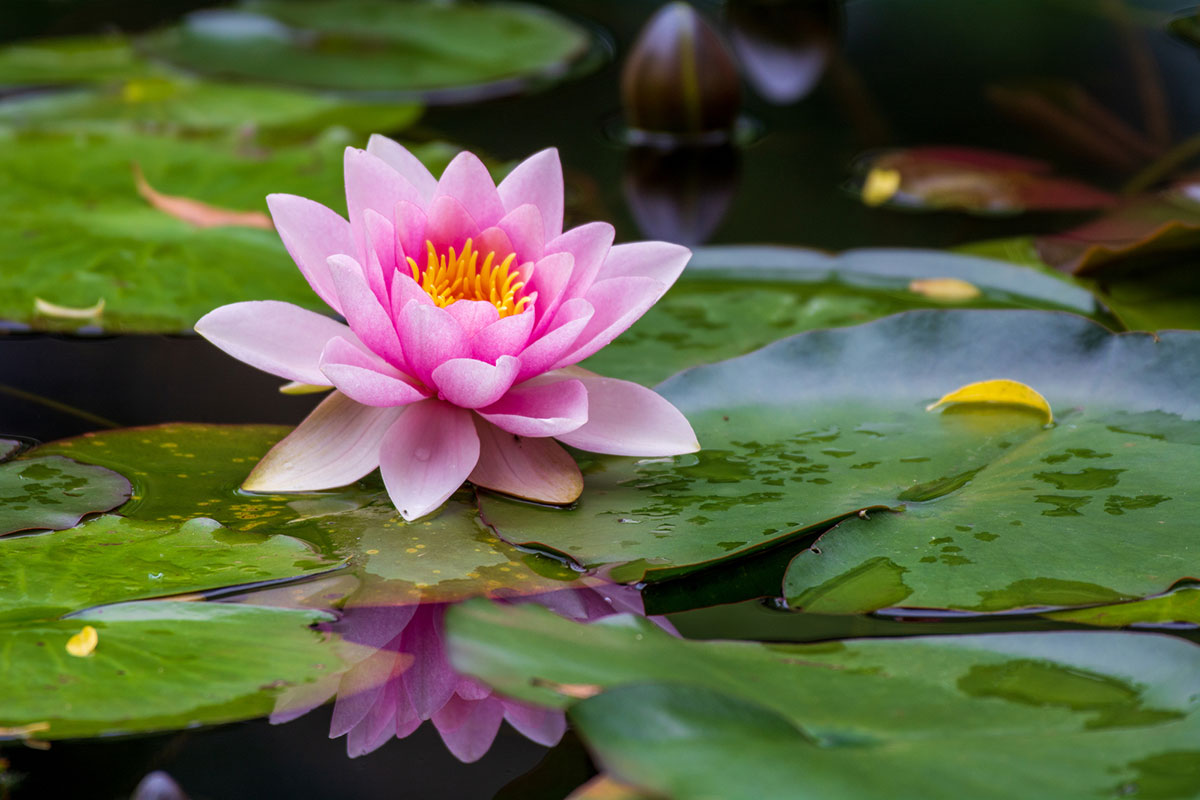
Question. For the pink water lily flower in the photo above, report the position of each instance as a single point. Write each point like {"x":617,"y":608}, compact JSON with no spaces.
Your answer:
{"x":467,"y":308}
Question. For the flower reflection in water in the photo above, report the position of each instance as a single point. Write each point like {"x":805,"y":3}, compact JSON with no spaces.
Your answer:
{"x":402,"y":677}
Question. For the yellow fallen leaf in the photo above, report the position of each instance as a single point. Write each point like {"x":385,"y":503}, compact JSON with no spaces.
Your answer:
{"x":202,"y":215}
{"x":1001,"y":391}
{"x":296,"y":387}
{"x":948,"y":289}
{"x":83,"y":643}
{"x":579,"y":691}
{"x":880,"y":186}
{"x":25,"y":730}
{"x":48,"y":309}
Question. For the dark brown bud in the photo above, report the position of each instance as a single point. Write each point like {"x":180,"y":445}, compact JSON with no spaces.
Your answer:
{"x":680,"y":77}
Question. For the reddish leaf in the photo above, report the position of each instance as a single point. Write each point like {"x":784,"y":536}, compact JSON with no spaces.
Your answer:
{"x":202,"y":215}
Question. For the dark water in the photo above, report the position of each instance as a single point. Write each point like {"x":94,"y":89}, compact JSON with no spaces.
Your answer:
{"x":900,"y":74}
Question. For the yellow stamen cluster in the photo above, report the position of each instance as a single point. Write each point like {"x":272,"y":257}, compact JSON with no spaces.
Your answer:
{"x":460,"y":276}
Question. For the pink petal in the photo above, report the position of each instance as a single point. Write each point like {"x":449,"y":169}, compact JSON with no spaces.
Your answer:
{"x":537,"y":180}
{"x":367,"y":318}
{"x":426,"y":455}
{"x":627,"y":419}
{"x":360,"y":689}
{"x":661,"y":261}
{"x":473,"y":315}
{"x":365,"y":378}
{"x":430,"y":681}
{"x":278,"y":338}
{"x":468,"y":180}
{"x":379,"y":724}
{"x":468,"y":728}
{"x":405,"y":290}
{"x":471,"y":689}
{"x":410,"y":225}
{"x":619,"y":302}
{"x":532,"y":469}
{"x":569,"y":324}
{"x":504,"y":337}
{"x":311,"y":233}
{"x":494,"y":240}
{"x":398,"y":158}
{"x":468,"y":383}
{"x":448,"y":225}
{"x":543,"y":725}
{"x":335,"y":445}
{"x":372,"y":184}
{"x":381,"y":253}
{"x":540,"y":409}
{"x":526,"y":232}
{"x":430,"y":336}
{"x":551,"y":275}
{"x":589,"y":245}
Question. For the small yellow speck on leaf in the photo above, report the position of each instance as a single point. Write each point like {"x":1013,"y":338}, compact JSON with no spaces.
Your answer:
{"x":83,"y":643}
{"x":1001,"y":392}
{"x":48,"y":309}
{"x":880,"y":186}
{"x":947,"y":289}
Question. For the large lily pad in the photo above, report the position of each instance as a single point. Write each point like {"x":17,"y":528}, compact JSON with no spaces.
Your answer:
{"x":77,"y":231}
{"x":77,"y":59}
{"x":1063,"y":715}
{"x":158,"y":665}
{"x":828,"y":424}
{"x":731,"y":300}
{"x":179,"y":471}
{"x":414,"y":47}
{"x":54,"y":492}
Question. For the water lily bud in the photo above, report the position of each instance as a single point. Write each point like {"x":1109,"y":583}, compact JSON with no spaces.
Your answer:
{"x":680,"y":78}
{"x":681,"y":194}
{"x":783,"y":45}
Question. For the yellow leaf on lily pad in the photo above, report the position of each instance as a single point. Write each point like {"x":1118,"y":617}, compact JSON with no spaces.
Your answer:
{"x":48,"y":309}
{"x":1001,"y":391}
{"x":880,"y":186}
{"x":83,"y":643}
{"x":296,"y":387}
{"x":947,"y":289}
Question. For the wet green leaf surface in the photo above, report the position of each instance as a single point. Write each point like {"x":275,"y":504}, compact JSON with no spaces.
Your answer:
{"x":731,"y":300}
{"x":825,"y":424}
{"x":77,"y":231}
{"x":79,"y":59}
{"x":1181,"y":605}
{"x":411,"y":47}
{"x":53,"y":492}
{"x":1064,"y":715}
{"x":158,"y":665}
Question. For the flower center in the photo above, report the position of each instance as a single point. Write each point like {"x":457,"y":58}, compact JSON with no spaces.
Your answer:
{"x":459,"y":276}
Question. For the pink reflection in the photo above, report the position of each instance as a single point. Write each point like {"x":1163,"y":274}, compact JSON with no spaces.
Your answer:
{"x":403,"y":677}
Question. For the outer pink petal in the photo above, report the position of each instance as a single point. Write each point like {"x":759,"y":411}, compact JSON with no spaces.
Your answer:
{"x":540,"y":409}
{"x":381,"y":253}
{"x":532,"y":469}
{"x":661,"y":261}
{"x":276,"y":337}
{"x":589,"y":244}
{"x":398,"y":158}
{"x":551,"y":275}
{"x":430,"y":337}
{"x":365,"y":379}
{"x":506,"y":336}
{"x":619,"y":302}
{"x":526,"y":231}
{"x":335,"y":445}
{"x":473,"y":315}
{"x":410,"y":221}
{"x":494,"y":240}
{"x":537,"y":180}
{"x":468,"y":728}
{"x":543,"y":725}
{"x":548,"y":348}
{"x":426,"y":455}
{"x":371,"y":183}
{"x":447,"y":225}
{"x":405,"y":291}
{"x":360,"y":689}
{"x":430,"y":681}
{"x":468,"y":180}
{"x":311,"y":233}
{"x":627,"y":419}
{"x":468,"y":383}
{"x":368,"y":319}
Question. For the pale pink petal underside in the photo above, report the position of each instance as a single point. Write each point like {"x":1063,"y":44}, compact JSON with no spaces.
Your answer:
{"x":627,"y":419}
{"x":468,"y":180}
{"x":619,"y":302}
{"x":430,"y":681}
{"x":540,"y":409}
{"x":537,"y":180}
{"x":468,"y":727}
{"x":532,"y":469}
{"x":589,"y":245}
{"x":542,"y":725}
{"x":661,"y":261}
{"x":312,"y":233}
{"x":470,"y":383}
{"x":426,"y":455}
{"x":365,"y":378}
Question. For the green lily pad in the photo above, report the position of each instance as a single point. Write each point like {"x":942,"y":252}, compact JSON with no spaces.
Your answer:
{"x":76,"y":59}
{"x":54,"y":492}
{"x":188,"y":106}
{"x":180,"y":471}
{"x":827,"y":424}
{"x":157,"y":666}
{"x":410,"y":48}
{"x":731,"y":300}
{"x":77,"y":231}
{"x":1179,"y":606}
{"x":1062,"y":715}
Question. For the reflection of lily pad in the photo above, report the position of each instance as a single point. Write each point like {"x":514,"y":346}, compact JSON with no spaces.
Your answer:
{"x":76,"y":230}
{"x":1064,"y":715}
{"x":409,"y":47}
{"x":731,"y":300}
{"x":824,"y":424}
{"x":191,"y":470}
{"x":54,"y":492}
